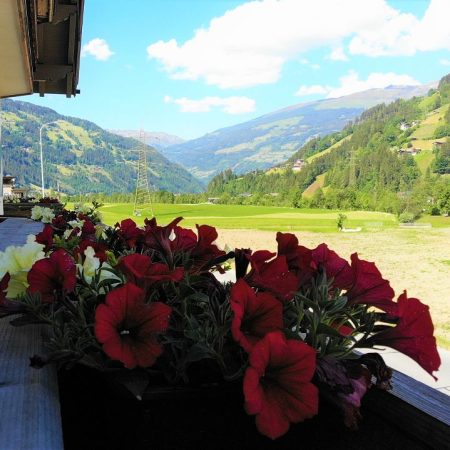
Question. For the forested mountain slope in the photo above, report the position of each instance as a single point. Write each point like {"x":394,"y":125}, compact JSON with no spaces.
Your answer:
{"x":79,"y":155}
{"x":274,"y":137}
{"x":394,"y":158}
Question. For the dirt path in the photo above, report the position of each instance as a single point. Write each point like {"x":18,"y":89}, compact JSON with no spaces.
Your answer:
{"x":416,"y":260}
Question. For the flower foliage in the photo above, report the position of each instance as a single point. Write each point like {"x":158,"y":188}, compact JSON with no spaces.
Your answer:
{"x":148,"y":298}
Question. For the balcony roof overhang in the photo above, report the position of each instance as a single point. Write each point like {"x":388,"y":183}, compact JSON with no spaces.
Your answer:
{"x":40,"y":50}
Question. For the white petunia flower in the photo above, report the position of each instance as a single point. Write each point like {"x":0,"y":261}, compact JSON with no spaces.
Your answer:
{"x":36,"y":213}
{"x":17,"y":261}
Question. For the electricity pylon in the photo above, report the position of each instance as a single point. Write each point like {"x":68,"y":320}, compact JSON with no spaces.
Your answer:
{"x":142,"y":198}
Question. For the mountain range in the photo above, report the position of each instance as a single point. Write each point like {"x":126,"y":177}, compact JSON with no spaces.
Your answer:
{"x":158,"y":140}
{"x":272,"y":138}
{"x":79,"y":156}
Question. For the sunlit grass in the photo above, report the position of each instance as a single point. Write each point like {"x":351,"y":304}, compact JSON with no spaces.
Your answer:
{"x":252,"y":217}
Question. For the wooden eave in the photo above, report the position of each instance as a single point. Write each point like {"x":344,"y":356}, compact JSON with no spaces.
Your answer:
{"x":52,"y":36}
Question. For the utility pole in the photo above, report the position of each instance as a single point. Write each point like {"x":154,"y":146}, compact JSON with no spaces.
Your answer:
{"x":142,"y":198}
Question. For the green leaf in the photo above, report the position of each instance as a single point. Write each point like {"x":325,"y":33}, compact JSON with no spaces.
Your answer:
{"x":329,"y":331}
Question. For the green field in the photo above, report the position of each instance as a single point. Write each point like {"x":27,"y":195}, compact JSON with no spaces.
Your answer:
{"x":253,"y":217}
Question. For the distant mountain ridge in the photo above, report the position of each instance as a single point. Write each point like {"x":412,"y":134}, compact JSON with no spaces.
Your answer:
{"x":272,"y":138}
{"x":156,"y":139}
{"x":79,"y":156}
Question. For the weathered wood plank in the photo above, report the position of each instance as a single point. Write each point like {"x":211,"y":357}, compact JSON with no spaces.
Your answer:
{"x":14,"y":231}
{"x":29,"y":398}
{"x":416,"y":409}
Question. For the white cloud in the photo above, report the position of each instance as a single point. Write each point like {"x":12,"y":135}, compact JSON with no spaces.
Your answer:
{"x":444,"y":62}
{"x":351,"y":83}
{"x":311,"y":90}
{"x":248,"y":45}
{"x":338,"y":54}
{"x":229,"y":105}
{"x":98,"y":48}
{"x":405,"y":34}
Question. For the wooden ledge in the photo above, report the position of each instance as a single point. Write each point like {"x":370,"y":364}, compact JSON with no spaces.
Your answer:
{"x":29,"y":398}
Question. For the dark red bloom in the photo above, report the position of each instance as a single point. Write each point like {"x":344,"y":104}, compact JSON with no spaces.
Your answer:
{"x":45,"y":237}
{"x":277,"y":384}
{"x":298,"y":258}
{"x":205,"y":252}
{"x":241,"y":261}
{"x":273,"y":275}
{"x":335,"y":267}
{"x":255,"y":315}
{"x":182,"y":239}
{"x":129,"y":232}
{"x":59,"y":222}
{"x":413,"y":334}
{"x":369,"y":287}
{"x":4,"y":286}
{"x":158,"y":238}
{"x":88,"y":228}
{"x":140,"y":270}
{"x":52,"y":275}
{"x":128,"y":328}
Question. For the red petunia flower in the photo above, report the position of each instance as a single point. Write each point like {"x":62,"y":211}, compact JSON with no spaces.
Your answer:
{"x":129,"y":232}
{"x":182,"y":239}
{"x":413,"y":334}
{"x":140,"y":270}
{"x":51,"y":275}
{"x":59,"y":222}
{"x":272,"y":276}
{"x":88,"y":228}
{"x":255,"y":315}
{"x":277,"y":384}
{"x":369,"y":287}
{"x":128,"y":328}
{"x":298,"y":258}
{"x":45,"y":237}
{"x":335,"y":267}
{"x":205,"y":252}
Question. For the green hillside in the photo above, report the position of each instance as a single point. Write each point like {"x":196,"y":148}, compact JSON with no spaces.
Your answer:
{"x":393,"y":158}
{"x":79,"y":155}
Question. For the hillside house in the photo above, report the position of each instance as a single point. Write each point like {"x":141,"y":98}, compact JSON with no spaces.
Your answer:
{"x":8,"y":185}
{"x":298,"y":165}
{"x":405,"y":126}
{"x":413,"y":151}
{"x":10,"y":190}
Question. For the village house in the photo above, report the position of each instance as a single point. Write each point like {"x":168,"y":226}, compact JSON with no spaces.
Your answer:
{"x":298,"y":165}
{"x":413,"y":151}
{"x":10,"y":190}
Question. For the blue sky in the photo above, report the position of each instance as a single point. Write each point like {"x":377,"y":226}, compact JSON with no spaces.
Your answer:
{"x":188,"y":67}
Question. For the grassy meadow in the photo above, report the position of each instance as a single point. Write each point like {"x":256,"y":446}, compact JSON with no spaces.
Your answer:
{"x":252,"y":217}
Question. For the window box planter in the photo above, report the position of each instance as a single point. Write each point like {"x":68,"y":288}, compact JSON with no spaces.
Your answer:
{"x":98,"y":413}
{"x":23,"y":209}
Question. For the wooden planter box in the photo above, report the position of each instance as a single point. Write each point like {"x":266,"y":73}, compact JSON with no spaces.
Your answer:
{"x":23,"y":209}
{"x":97,"y":414}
